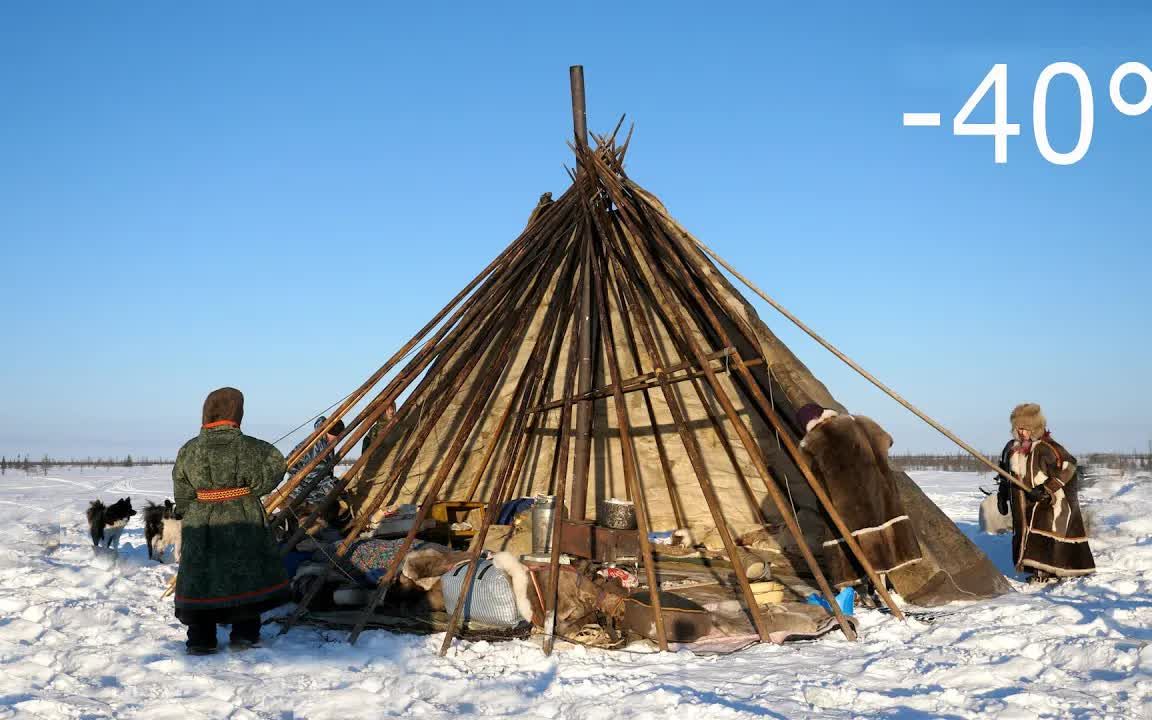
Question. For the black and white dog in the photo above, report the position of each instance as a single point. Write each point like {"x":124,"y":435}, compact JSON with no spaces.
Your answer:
{"x":162,"y":528}
{"x":105,"y":523}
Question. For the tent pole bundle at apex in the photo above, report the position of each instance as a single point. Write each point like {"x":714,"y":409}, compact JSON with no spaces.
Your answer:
{"x":603,"y":355}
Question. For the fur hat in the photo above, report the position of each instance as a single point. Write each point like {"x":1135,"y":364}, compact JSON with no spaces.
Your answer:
{"x":1029,"y":415}
{"x":227,"y":403}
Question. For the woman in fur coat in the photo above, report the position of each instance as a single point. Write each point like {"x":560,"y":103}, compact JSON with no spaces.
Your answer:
{"x":849,"y":455}
{"x":1048,"y":537}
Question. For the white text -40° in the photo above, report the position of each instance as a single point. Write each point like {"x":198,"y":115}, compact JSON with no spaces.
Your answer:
{"x":1000,"y":129}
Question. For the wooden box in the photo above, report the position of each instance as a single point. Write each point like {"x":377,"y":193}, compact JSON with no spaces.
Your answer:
{"x":447,"y":512}
{"x":576,"y":538}
{"x":611,"y":545}
{"x":585,"y":539}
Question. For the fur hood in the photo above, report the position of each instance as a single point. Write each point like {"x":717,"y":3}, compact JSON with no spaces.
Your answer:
{"x":1029,"y":415}
{"x":225,"y":403}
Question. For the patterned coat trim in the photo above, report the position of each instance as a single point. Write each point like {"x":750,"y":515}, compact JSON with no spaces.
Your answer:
{"x":863,"y":531}
{"x":222,"y":494}
{"x":1060,"y":538}
{"x":1058,"y":571}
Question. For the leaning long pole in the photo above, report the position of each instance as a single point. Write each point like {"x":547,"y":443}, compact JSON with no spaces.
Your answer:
{"x":770,"y":414}
{"x":666,"y":304}
{"x":855,"y":366}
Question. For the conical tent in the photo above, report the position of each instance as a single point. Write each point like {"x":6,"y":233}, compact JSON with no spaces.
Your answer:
{"x":603,"y":355}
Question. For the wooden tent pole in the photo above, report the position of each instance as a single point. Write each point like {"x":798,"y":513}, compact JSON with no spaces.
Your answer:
{"x":658,"y":361}
{"x":753,"y":451}
{"x":700,"y":469}
{"x":490,"y":451}
{"x":514,"y":257}
{"x":769,"y":413}
{"x":496,"y":294}
{"x":564,"y":288}
{"x":582,"y":451}
{"x":641,"y":381}
{"x":361,"y":391}
{"x":532,"y":370}
{"x":643,"y":528}
{"x":579,"y":108}
{"x":746,"y":438}
{"x":717,"y":427}
{"x":476,"y":306}
{"x":515,"y":253}
{"x":276,"y":498}
{"x":479,"y":339}
{"x":479,"y":401}
{"x":560,"y":484}
{"x":864,"y":373}
{"x":714,"y":421}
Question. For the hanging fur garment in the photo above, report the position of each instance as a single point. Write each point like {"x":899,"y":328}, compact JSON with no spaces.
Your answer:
{"x":849,"y":454}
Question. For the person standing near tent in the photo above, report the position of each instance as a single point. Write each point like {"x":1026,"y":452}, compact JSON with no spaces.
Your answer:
{"x":1048,"y":536}
{"x":849,"y":455}
{"x":370,"y":436}
{"x":320,"y":481}
{"x":230,"y":570}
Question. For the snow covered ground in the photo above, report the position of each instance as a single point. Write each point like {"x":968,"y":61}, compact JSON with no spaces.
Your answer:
{"x":81,"y":637}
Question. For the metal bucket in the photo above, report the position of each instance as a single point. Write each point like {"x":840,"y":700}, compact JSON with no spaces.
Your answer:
{"x":617,"y":514}
{"x":543,"y":514}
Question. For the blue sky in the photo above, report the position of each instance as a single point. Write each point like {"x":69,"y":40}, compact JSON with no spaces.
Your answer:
{"x":276,"y":195}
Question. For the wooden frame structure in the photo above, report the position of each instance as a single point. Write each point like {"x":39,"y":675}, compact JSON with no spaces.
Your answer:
{"x":605,"y":249}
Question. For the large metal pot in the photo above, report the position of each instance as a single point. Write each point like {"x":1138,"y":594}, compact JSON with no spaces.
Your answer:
{"x":543,"y":515}
{"x":617,"y":514}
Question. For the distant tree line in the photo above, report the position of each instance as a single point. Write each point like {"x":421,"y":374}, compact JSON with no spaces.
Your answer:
{"x":955,"y":462}
{"x":963,"y":462}
{"x":28,"y":465}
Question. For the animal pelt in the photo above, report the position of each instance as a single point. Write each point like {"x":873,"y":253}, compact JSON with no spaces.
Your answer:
{"x":849,"y":454}
{"x":521,"y":584}
{"x":425,"y":594}
{"x":106,"y":523}
{"x":424,"y":568}
{"x":583,"y":598}
{"x":427,"y":565}
{"x":162,"y":529}
{"x":418,"y":586}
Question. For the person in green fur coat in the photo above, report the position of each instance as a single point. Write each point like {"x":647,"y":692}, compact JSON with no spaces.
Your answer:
{"x":230,"y":569}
